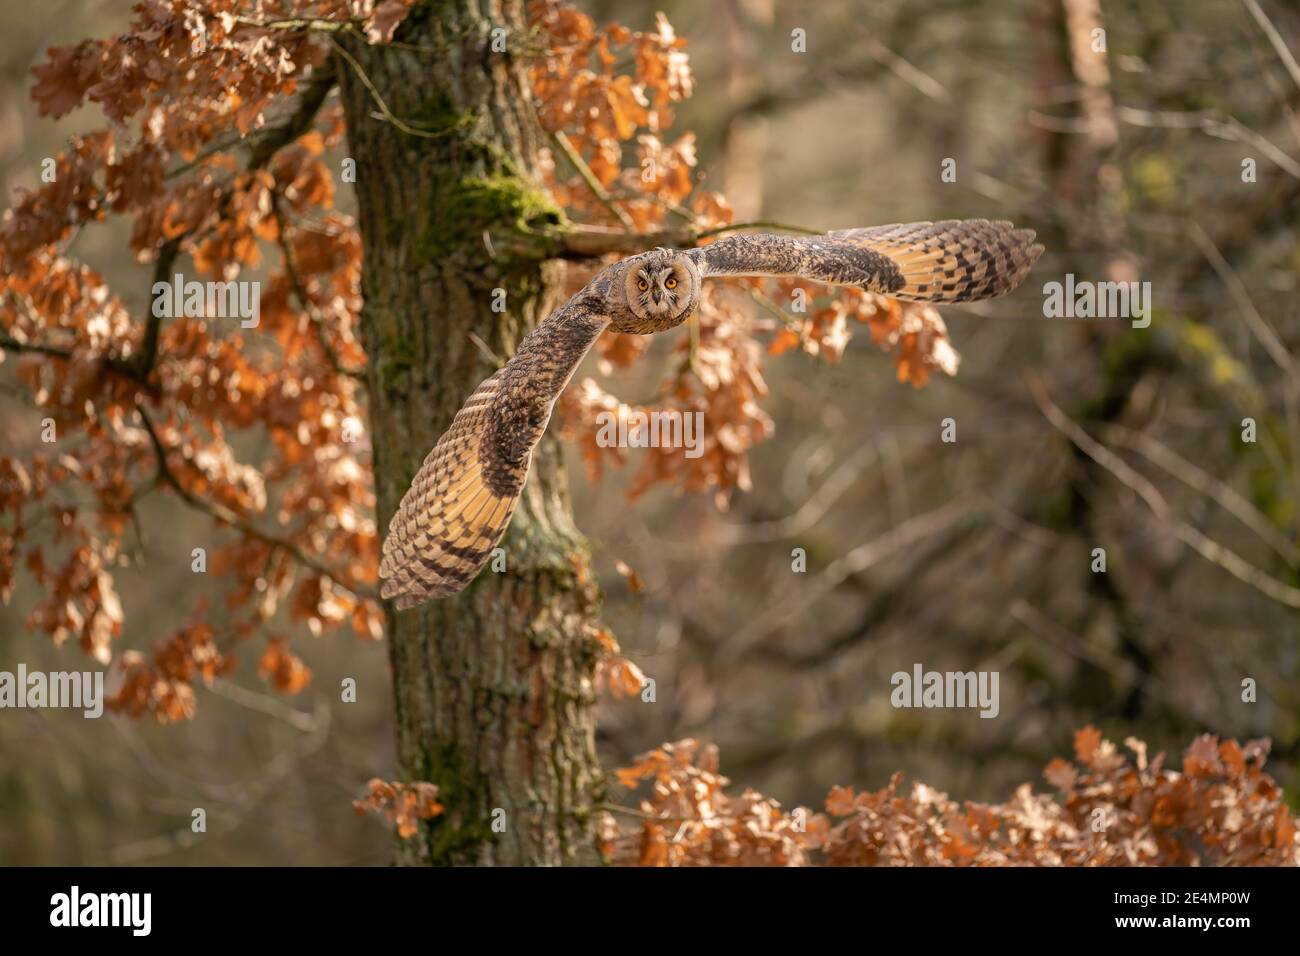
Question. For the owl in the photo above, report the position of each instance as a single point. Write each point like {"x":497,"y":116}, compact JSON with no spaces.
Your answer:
{"x":463,"y":496}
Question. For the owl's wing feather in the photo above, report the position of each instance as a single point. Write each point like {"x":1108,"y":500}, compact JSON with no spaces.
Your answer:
{"x":464,"y":495}
{"x":951,"y":261}
{"x":462,"y":498}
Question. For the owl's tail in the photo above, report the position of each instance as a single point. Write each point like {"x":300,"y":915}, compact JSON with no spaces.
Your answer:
{"x":958,"y":260}
{"x":450,"y":518}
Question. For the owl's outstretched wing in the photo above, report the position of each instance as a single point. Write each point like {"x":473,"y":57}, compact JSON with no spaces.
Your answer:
{"x":952,"y":261}
{"x":463,"y":497}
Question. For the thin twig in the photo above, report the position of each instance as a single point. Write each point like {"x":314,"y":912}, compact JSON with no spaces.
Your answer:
{"x":648,"y":817}
{"x":121,"y":366}
{"x":483,"y":347}
{"x":1272,"y":343}
{"x":1210,"y":122}
{"x":264,"y":704}
{"x":1084,"y":650}
{"x":1277,"y":351}
{"x":848,"y":474}
{"x":1279,"y":45}
{"x":1208,"y":548}
{"x":1194,"y":477}
{"x":300,"y":293}
{"x":8,"y":344}
{"x":902,"y":68}
{"x":383,"y":107}
{"x":864,"y":556}
{"x":308,"y":24}
{"x":765,"y":302}
{"x":580,"y":166}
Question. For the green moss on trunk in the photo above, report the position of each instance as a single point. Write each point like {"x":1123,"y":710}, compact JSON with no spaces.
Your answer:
{"x":474,"y":205}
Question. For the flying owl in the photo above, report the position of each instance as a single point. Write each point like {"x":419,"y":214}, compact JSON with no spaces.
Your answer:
{"x":460,"y":502}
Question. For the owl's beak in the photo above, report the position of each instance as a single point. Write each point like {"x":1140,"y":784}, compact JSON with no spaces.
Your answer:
{"x":657,"y":295}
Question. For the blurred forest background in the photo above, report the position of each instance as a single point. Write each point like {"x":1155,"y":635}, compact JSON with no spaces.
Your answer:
{"x":968,"y":556}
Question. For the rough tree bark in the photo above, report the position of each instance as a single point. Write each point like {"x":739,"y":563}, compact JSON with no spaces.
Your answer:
{"x":493,"y":689}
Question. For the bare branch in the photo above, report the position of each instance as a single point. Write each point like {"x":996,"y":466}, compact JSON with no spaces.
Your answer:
{"x":1279,"y":45}
{"x":263,"y":704}
{"x":144,"y":362}
{"x":301,"y":24}
{"x":8,"y":344}
{"x":1192,"y":476}
{"x":1209,"y":549}
{"x":1100,"y":657}
{"x":1277,"y":351}
{"x":904,"y":69}
{"x":864,"y":556}
{"x":1263,"y":331}
{"x":299,"y":122}
{"x":1210,"y":122}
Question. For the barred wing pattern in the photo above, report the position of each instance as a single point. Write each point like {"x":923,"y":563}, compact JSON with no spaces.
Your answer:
{"x":950,"y":261}
{"x":462,"y":498}
{"x":464,"y":495}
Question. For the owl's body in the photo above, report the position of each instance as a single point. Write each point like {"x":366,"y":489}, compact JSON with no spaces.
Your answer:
{"x":464,"y":495}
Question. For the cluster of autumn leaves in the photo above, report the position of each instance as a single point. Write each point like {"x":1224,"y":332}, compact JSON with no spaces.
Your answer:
{"x":605,"y":113}
{"x":139,"y":405}
{"x":1109,"y":808}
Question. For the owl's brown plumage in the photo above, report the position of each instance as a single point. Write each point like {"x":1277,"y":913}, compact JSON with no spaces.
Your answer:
{"x":465,"y":493}
{"x":462,"y":499}
{"x":958,"y":260}
{"x":450,"y":519}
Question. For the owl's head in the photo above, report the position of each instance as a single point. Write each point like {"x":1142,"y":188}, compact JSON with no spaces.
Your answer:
{"x":662,"y":287}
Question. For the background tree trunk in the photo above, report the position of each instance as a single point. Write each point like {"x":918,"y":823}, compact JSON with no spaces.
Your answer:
{"x":493,"y":689}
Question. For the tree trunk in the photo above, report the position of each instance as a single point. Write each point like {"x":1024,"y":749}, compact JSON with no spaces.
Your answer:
{"x":492,"y":689}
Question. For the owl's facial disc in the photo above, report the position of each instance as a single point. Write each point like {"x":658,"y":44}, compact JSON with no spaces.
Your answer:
{"x":660,"y":288}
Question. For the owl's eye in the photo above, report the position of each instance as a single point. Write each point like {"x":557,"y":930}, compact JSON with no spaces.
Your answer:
{"x":642,"y":284}
{"x":670,"y":283}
